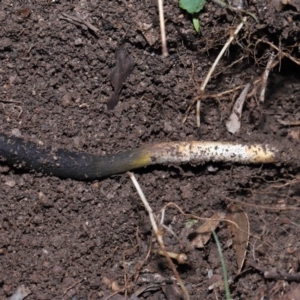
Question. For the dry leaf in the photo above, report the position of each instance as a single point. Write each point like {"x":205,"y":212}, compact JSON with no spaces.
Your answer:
{"x":234,"y":121}
{"x":149,"y":33}
{"x":124,"y":67}
{"x":203,"y":233}
{"x":240,"y":230}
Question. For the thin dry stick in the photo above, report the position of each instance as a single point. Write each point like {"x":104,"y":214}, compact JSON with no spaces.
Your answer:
{"x":162,"y":28}
{"x":209,"y":74}
{"x":174,"y":205}
{"x":274,"y":186}
{"x":79,"y":21}
{"x":288,"y":123}
{"x":139,"y":267}
{"x":221,"y":94}
{"x":296,"y":61}
{"x":72,"y":286}
{"x":229,"y":66}
{"x":261,"y":82}
{"x":265,"y":78}
{"x":158,"y":234}
{"x":10,"y":101}
{"x":125,"y":274}
{"x":273,"y":207}
{"x":280,"y":275}
{"x":201,"y":95}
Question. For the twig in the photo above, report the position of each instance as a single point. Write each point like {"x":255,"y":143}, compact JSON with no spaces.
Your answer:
{"x":162,"y":28}
{"x":288,"y":123}
{"x":139,"y":267}
{"x":167,"y":228}
{"x":203,"y":86}
{"x":221,"y":94}
{"x":80,"y":22}
{"x":265,"y":77}
{"x":274,"y":186}
{"x":205,"y":96}
{"x":211,"y":70}
{"x":259,"y":85}
{"x":296,"y":61}
{"x":273,"y":274}
{"x":158,"y":233}
{"x":278,"y":207}
{"x":72,"y":286}
{"x":229,"y":66}
{"x":10,"y":101}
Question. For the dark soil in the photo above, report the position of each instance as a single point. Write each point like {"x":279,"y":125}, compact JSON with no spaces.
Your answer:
{"x":66,"y":239}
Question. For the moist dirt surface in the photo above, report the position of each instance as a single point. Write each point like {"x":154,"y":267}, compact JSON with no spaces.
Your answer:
{"x":67,"y":239}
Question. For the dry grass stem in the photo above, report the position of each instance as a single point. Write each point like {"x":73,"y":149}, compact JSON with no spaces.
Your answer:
{"x":211,"y":70}
{"x":162,"y":28}
{"x":282,"y":53}
{"x":288,"y":123}
{"x":273,"y":207}
{"x":273,"y":275}
{"x":213,"y":67}
{"x":78,"y":21}
{"x":72,"y":286}
{"x":227,"y":44}
{"x":265,"y":78}
{"x":158,"y":233}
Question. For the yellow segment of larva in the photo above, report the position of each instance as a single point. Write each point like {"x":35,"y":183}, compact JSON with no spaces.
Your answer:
{"x":260,"y":154}
{"x":143,"y":159}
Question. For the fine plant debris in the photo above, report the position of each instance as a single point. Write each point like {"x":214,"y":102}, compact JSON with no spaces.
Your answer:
{"x":203,"y":233}
{"x":238,"y":224}
{"x":233,"y":123}
{"x":79,"y":21}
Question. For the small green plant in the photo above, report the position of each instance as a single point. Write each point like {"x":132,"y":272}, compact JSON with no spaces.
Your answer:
{"x":193,"y":7}
{"x":226,"y":285}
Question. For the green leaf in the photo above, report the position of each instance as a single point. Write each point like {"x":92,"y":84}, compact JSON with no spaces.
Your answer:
{"x":192,"y":6}
{"x":196,"y":24}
